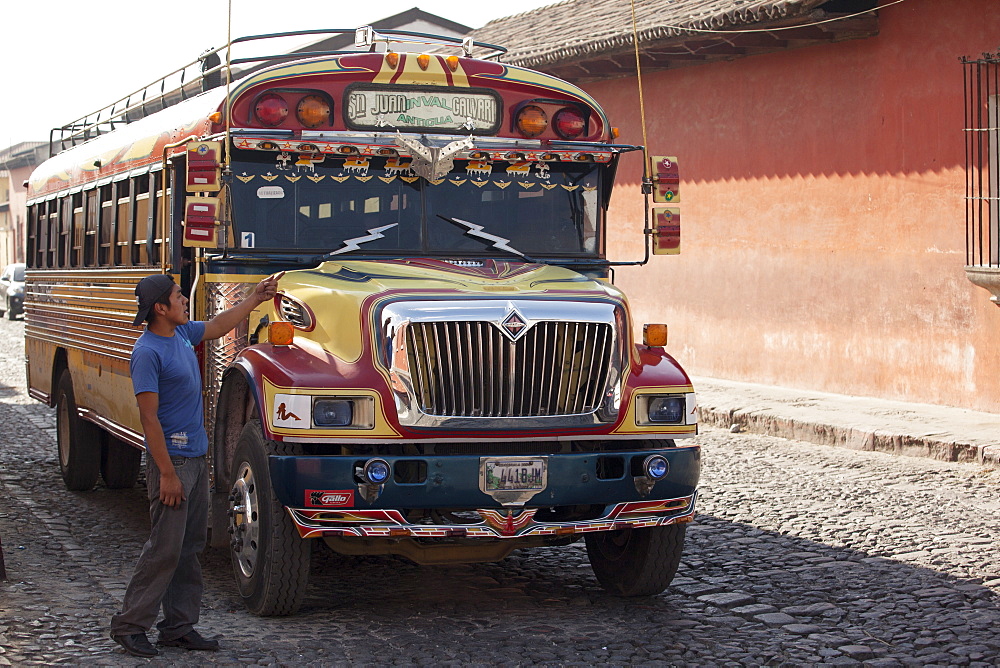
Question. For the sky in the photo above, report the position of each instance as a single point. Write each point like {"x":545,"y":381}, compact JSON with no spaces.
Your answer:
{"x":62,"y":59}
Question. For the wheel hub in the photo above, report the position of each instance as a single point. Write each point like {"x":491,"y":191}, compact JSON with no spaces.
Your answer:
{"x":244,"y":520}
{"x":62,"y":432}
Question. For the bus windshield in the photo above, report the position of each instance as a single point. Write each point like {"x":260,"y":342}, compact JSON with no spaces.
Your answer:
{"x":376,"y":206}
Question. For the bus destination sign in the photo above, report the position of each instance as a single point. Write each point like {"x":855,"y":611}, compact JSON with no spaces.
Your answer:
{"x":422,"y":109}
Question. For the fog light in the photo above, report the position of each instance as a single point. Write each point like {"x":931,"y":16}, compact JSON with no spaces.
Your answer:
{"x":376,"y":471}
{"x":333,"y":413}
{"x":668,"y":410}
{"x":656,"y":467}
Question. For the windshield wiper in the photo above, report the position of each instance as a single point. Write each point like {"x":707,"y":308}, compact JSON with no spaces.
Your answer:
{"x":473,"y":230}
{"x":374,"y":234}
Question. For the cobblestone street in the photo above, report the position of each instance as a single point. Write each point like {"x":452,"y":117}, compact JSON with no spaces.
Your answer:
{"x":801,"y":554}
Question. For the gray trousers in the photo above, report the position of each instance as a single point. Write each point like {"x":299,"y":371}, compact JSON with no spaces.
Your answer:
{"x":168,"y":572}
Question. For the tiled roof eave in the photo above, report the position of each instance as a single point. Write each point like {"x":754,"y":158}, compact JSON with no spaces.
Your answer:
{"x":576,"y":32}
{"x":659,"y":37}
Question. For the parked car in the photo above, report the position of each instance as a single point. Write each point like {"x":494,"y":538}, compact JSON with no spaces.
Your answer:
{"x":12,"y":290}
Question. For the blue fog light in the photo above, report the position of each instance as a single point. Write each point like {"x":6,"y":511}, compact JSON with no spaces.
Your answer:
{"x":656,"y":467}
{"x":376,"y":471}
{"x":333,"y":413}
{"x":669,"y":410}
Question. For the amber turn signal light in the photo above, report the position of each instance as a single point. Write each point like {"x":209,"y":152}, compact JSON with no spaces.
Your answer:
{"x":313,"y":111}
{"x":654,"y":335}
{"x":532,"y":121}
{"x":281,"y":333}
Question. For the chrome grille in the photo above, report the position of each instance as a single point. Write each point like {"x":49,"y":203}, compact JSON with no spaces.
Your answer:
{"x":472,"y":369}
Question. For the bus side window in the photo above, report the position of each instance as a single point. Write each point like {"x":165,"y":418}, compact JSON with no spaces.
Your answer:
{"x":124,"y":190}
{"x":65,"y":231}
{"x":90,"y":236}
{"x":32,"y":255}
{"x":154,"y":216}
{"x":42,"y":224}
{"x":107,"y":224}
{"x":140,"y":217}
{"x":76,"y":256}
{"x":53,"y":233}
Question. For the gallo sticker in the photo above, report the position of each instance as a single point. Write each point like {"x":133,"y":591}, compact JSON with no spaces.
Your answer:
{"x":329,"y":498}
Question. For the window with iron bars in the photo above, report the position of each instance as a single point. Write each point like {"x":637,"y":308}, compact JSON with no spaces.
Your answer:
{"x":982,"y":171}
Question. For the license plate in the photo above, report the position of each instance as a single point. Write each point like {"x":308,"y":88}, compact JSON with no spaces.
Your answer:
{"x":505,"y":474}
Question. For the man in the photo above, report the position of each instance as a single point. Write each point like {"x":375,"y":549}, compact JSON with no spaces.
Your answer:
{"x":167,"y":384}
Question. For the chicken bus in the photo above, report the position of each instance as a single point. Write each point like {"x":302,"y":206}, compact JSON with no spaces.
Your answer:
{"x":447,"y":373}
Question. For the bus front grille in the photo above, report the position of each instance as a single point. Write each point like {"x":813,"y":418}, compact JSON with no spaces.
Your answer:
{"x":472,"y":369}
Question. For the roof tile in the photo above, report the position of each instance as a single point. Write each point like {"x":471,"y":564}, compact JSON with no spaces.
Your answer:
{"x":575,"y":28}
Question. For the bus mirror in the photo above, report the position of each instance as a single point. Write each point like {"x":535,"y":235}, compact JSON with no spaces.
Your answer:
{"x":666,"y":179}
{"x":364,"y":36}
{"x":666,"y":230}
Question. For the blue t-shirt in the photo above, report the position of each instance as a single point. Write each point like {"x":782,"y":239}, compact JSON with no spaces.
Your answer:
{"x":168,"y":366}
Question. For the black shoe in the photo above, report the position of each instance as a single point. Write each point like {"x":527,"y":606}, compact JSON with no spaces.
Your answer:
{"x":191,"y":640}
{"x":136,"y":644}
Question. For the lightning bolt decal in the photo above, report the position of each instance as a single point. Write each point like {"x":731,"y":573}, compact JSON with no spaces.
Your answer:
{"x":374,"y":234}
{"x":477,"y":231}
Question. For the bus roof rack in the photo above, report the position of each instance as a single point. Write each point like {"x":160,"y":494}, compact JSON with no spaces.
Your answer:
{"x":367,"y":36}
{"x":210,"y":68}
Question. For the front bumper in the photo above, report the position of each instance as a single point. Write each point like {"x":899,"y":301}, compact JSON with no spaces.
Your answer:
{"x":324,"y":498}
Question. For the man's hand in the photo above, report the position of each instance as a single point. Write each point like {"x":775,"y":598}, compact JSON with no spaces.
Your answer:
{"x":267,"y":288}
{"x":225,"y":321}
{"x":171,"y":490}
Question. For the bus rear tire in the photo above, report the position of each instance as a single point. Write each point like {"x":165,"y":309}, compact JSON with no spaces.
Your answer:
{"x":79,"y":441}
{"x":636,"y":562}
{"x":270,"y":559}
{"x":120,"y":463}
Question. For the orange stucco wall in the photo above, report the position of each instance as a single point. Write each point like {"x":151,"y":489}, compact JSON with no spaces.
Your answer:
{"x":823,"y":220}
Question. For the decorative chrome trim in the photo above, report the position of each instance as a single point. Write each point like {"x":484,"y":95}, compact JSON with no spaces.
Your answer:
{"x":122,"y":433}
{"x":221,"y":353}
{"x":295,"y":312}
{"x":688,"y":431}
{"x":495,"y":522}
{"x":38,"y":395}
{"x":456,"y":338}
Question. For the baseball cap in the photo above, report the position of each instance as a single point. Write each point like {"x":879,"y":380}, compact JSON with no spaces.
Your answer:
{"x":149,"y":291}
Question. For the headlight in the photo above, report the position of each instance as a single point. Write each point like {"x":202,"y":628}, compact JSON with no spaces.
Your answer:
{"x":333,"y":412}
{"x":666,"y":410}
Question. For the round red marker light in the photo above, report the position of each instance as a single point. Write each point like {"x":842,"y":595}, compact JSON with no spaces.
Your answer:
{"x":569,"y":123}
{"x":271,"y":109}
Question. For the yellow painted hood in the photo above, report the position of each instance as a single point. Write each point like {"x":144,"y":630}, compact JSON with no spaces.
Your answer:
{"x":342,"y":296}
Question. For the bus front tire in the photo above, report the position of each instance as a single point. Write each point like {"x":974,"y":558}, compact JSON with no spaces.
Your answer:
{"x":120,"y":463}
{"x":78,"y":440}
{"x":270,"y":559}
{"x":636,"y":562}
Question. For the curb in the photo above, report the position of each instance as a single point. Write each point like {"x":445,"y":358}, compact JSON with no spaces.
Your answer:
{"x":853,"y":438}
